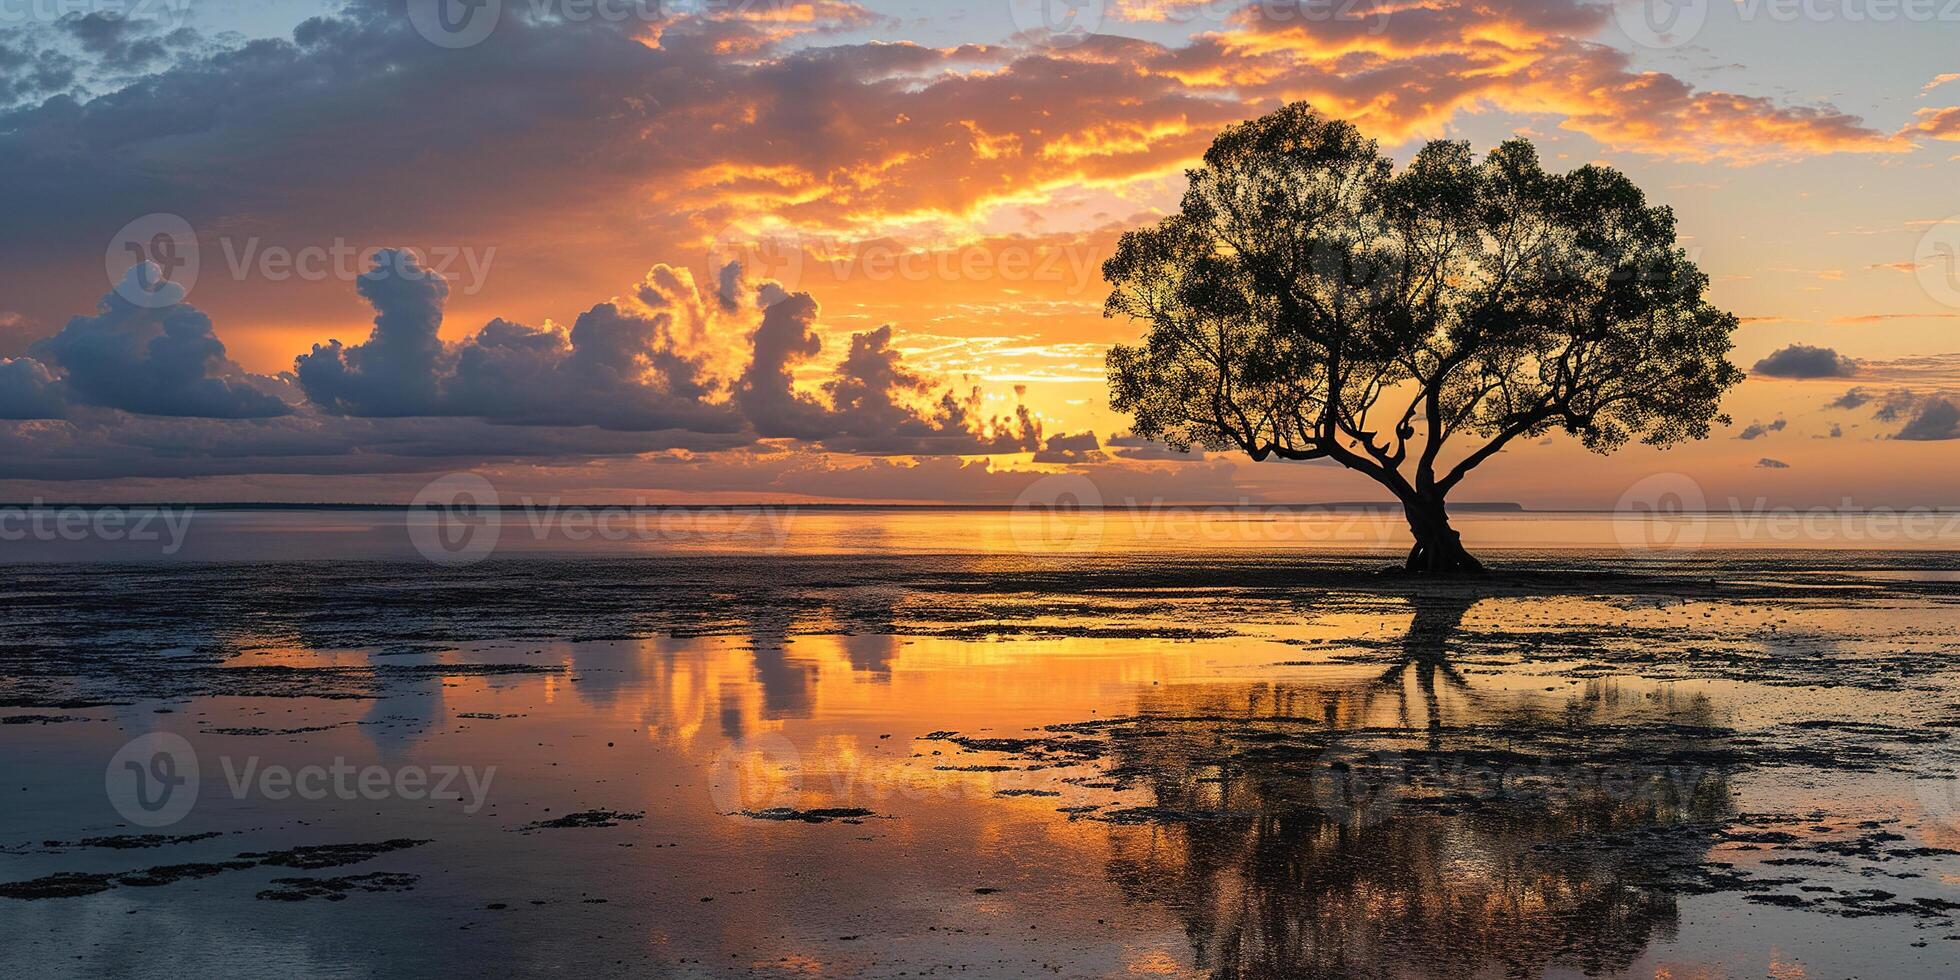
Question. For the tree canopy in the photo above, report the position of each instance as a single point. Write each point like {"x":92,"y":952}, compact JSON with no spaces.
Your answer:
{"x":1307,"y":301}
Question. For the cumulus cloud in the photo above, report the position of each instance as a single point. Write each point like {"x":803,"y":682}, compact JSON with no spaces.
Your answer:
{"x":767,"y":390}
{"x":728,"y":291}
{"x":872,"y":403}
{"x":668,"y":367}
{"x":617,"y":368}
{"x":1757,"y":430}
{"x":159,"y":357}
{"x":638,"y":364}
{"x":28,"y":390}
{"x":869,"y":390}
{"x":1927,"y":411}
{"x":1895,"y":405}
{"x":1767,"y":463}
{"x":1805,"y":361}
{"x":1852,"y":398}
{"x":1919,"y":393}
{"x":1937,"y":419}
{"x":875,"y":402}
{"x":624,"y":365}
{"x":397,"y":370}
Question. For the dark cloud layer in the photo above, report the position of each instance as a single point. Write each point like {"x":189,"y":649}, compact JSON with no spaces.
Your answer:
{"x":1129,"y":446}
{"x":661,"y":132}
{"x":1804,"y":361}
{"x":1081,"y":447}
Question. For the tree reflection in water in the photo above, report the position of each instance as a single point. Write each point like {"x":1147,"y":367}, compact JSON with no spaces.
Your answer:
{"x":1298,"y":835}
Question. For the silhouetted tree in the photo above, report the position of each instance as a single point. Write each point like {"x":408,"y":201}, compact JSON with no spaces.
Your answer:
{"x":1308,"y":302}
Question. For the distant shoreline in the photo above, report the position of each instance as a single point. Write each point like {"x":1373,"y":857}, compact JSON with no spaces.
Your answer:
{"x":1340,"y":505}
{"x":1337,"y":506}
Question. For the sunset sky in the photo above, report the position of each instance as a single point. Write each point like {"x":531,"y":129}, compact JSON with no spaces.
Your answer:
{"x":942,"y":179}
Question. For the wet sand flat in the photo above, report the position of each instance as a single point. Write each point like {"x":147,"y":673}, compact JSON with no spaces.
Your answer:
{"x":900,"y":763}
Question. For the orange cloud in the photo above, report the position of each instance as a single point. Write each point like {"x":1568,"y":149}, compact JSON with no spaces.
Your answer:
{"x":1940,"y":124}
{"x":1881,"y":317}
{"x":1409,"y":73}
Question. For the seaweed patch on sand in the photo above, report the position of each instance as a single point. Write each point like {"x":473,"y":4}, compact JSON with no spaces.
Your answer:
{"x":310,"y":858}
{"x":337,"y":889}
{"x":584,"y":818}
{"x":784,"y":814}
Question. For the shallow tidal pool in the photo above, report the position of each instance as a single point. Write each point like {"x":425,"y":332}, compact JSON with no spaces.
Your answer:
{"x":902,"y":763}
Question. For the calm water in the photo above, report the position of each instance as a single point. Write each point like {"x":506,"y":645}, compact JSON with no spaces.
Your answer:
{"x":548,"y":527}
{"x":983,"y":744}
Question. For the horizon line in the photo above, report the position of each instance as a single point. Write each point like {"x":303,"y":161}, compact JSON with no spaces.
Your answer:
{"x":1468,"y":507}
{"x":532,"y":503}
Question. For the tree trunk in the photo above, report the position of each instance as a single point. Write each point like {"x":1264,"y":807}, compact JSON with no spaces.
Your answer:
{"x":1438,"y":549}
